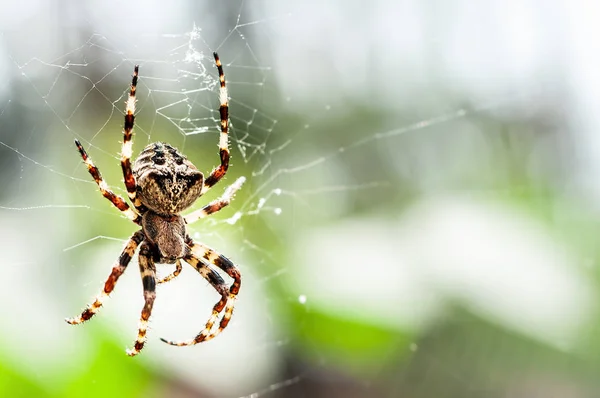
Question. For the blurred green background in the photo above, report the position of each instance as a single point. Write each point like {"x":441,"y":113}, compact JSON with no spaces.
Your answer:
{"x":420,"y":217}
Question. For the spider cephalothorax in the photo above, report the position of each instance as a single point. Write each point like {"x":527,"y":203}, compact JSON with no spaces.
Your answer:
{"x":161,"y":184}
{"x":167,"y":182}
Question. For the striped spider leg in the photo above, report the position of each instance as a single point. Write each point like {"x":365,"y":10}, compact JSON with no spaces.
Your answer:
{"x":172,"y":275}
{"x":127,"y":146}
{"x":148,"y":273}
{"x":219,"y":172}
{"x":228,"y":295}
{"x":110,"y":283}
{"x":216,"y":204}
{"x":115,"y":199}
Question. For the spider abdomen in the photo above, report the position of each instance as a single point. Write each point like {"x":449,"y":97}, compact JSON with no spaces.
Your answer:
{"x":167,"y":233}
{"x":167,"y":182}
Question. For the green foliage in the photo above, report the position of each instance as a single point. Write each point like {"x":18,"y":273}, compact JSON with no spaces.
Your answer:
{"x":354,"y":344}
{"x":110,"y":373}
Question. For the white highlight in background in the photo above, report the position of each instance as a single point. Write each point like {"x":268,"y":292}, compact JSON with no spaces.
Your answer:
{"x":494,"y":261}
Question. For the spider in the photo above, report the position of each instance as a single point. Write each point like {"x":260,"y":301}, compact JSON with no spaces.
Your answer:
{"x":161,"y":184}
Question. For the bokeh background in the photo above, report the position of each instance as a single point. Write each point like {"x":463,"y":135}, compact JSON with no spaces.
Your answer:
{"x":420,"y":217}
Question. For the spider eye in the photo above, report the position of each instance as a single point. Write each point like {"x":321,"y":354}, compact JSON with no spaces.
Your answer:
{"x":194,"y":178}
{"x":159,"y":158}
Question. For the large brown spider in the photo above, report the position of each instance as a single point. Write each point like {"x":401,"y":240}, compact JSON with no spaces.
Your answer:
{"x":163,"y":183}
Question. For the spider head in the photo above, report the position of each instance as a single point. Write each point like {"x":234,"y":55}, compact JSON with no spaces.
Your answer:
{"x":167,"y":182}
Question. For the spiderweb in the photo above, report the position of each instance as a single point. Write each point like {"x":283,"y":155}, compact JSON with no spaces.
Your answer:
{"x":314,"y":152}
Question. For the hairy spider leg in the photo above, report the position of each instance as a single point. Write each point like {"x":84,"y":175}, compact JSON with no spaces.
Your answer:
{"x":115,"y":199}
{"x":220,"y":286}
{"x":173,"y":275}
{"x":230,"y":269}
{"x":212,"y":257}
{"x":219,"y":172}
{"x":148,"y":273}
{"x":127,"y":147}
{"x":216,"y":204}
{"x":110,"y":283}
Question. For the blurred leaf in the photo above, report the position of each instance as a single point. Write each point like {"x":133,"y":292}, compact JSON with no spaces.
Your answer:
{"x":352,"y":344}
{"x":14,"y":384}
{"x":111,"y":374}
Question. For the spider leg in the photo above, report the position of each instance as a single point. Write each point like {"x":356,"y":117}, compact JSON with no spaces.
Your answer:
{"x":127,"y":147}
{"x":219,"y":172}
{"x":218,"y":283}
{"x":173,"y":275}
{"x":115,"y":199}
{"x":109,"y":285}
{"x":212,"y":257}
{"x":217,"y":204}
{"x":148,"y":273}
{"x":230,"y":269}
